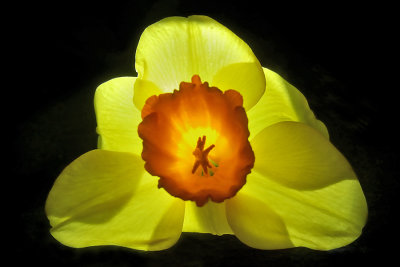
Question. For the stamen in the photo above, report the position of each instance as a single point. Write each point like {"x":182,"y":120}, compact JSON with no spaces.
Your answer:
{"x":201,"y":156}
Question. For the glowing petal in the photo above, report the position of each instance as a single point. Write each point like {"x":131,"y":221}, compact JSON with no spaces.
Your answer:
{"x":255,"y":224}
{"x":143,"y":90}
{"x":312,"y":190}
{"x":106,"y":198}
{"x":246,"y":78}
{"x":174,"y":49}
{"x":209,"y":218}
{"x":321,"y":219}
{"x":117,"y":117}
{"x":298,"y":156}
{"x":281,"y":102}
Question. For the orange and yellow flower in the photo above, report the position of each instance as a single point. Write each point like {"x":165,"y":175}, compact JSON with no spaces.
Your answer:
{"x":205,"y":140}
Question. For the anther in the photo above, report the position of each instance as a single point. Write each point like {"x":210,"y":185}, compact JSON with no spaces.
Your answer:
{"x":201,"y":155}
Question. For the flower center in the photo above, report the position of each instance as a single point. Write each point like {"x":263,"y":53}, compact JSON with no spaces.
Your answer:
{"x":201,"y":155}
{"x":173,"y":122}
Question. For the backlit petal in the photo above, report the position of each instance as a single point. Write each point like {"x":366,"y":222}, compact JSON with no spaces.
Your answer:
{"x":144,"y":89}
{"x":174,"y":49}
{"x":321,"y":219}
{"x":246,"y":78}
{"x":255,"y":224}
{"x":209,"y":218}
{"x":299,"y":156}
{"x":117,"y":117}
{"x":106,"y":198}
{"x":307,"y":183}
{"x":281,"y":102}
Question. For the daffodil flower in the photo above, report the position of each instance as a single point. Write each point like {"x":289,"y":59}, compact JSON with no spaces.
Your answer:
{"x":205,"y":140}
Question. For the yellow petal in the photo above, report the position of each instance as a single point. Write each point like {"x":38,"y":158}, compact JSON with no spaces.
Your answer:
{"x":246,"y":78}
{"x":321,"y":219}
{"x":281,"y":102}
{"x":117,"y":117}
{"x":307,"y":184}
{"x":106,"y":198}
{"x":174,"y":49}
{"x":299,"y":156}
{"x":209,"y":218}
{"x":255,"y":224}
{"x":142,"y":91}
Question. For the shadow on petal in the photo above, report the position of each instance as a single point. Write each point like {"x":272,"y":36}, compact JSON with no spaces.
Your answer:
{"x":98,"y":213}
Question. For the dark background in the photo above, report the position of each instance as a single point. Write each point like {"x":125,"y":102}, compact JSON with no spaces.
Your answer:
{"x":338,"y":55}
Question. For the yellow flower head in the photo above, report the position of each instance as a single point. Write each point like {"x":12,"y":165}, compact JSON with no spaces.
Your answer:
{"x":205,"y":140}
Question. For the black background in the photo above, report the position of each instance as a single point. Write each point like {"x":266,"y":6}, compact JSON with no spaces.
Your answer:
{"x":337,"y":54}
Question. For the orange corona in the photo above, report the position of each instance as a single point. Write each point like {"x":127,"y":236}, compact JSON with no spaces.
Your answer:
{"x":173,"y":122}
